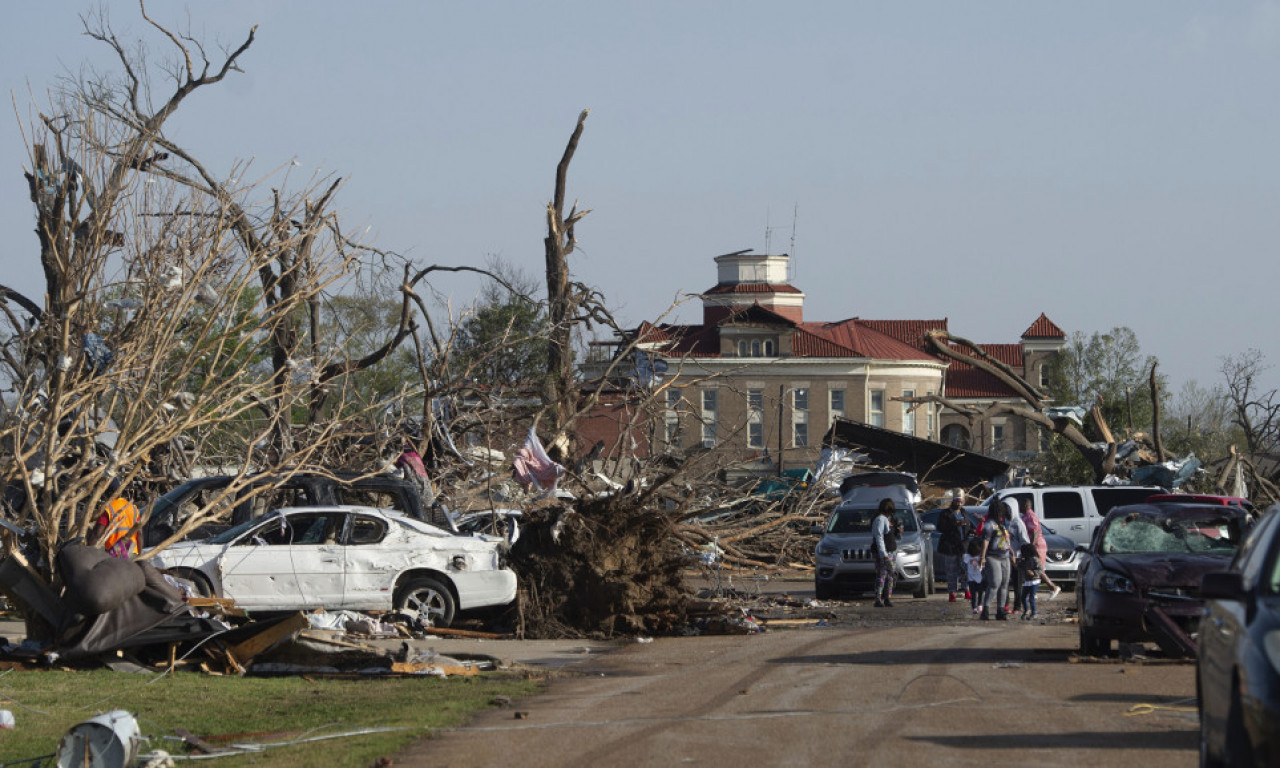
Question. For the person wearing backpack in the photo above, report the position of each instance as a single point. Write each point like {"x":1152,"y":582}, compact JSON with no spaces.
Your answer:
{"x":884,"y":546}
{"x":995,"y":561}
{"x":1029,"y":565}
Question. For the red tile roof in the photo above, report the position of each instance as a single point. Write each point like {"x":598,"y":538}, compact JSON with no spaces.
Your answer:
{"x":865,"y":341}
{"x":1044,"y":328}
{"x":908,"y":331}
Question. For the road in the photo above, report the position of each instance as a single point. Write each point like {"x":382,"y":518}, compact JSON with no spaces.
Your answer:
{"x":923,"y":684}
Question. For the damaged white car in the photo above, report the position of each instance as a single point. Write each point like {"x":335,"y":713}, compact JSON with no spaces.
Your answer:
{"x":345,"y":557}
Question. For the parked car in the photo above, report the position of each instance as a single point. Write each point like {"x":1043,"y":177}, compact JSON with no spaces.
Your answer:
{"x":844,"y":553}
{"x":1140,"y":579}
{"x":1205,"y":498}
{"x":1075,"y":511}
{"x":266,"y":492}
{"x":346,"y":557}
{"x":1238,"y":655}
{"x":496,"y":522}
{"x":1062,"y":559}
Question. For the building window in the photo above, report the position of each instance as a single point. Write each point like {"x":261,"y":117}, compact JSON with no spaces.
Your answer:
{"x":908,"y":413}
{"x":875,"y":408}
{"x":708,"y":418}
{"x":768,"y":347}
{"x":836,"y":405}
{"x":755,"y":418}
{"x":954,"y":434}
{"x":997,"y":437}
{"x":742,"y":348}
{"x":800,"y":417}
{"x":931,"y":421}
{"x":755,"y":347}
{"x":672,"y":416}
{"x":1044,"y":376}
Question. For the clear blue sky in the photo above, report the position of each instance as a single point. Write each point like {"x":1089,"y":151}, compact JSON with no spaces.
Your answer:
{"x":1106,"y":163}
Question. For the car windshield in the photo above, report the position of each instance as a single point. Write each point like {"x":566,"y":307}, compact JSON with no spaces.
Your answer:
{"x":1139,"y":533}
{"x":859,"y":521}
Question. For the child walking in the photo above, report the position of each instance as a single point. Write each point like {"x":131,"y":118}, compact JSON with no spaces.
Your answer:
{"x":973,"y":573}
{"x":1029,"y":564}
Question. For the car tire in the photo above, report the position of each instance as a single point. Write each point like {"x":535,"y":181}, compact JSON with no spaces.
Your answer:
{"x":430,"y":600}
{"x":922,"y":588}
{"x":931,"y":582}
{"x":1239,"y":748}
{"x":823,"y":591}
{"x":1091,"y":644}
{"x":1208,"y":757}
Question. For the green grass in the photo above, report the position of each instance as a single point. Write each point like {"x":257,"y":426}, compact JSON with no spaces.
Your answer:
{"x":46,"y":703}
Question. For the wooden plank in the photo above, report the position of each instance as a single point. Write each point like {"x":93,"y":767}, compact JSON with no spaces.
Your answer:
{"x":449,"y":632}
{"x":404,"y":667}
{"x":246,"y":650}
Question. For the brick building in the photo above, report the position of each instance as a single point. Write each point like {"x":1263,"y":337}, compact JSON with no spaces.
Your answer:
{"x":757,"y":379}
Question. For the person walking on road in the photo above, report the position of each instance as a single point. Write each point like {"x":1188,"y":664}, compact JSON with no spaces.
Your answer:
{"x":954,"y":530}
{"x":1017,"y":538}
{"x":884,"y":545}
{"x":973,"y":572}
{"x":1035,"y":532}
{"x":995,"y":561}
{"x":1029,"y":565}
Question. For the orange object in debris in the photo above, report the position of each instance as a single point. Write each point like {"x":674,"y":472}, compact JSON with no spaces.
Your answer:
{"x":121,"y":519}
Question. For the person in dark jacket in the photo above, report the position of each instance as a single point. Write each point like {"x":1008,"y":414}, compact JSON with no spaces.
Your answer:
{"x":954,"y":531}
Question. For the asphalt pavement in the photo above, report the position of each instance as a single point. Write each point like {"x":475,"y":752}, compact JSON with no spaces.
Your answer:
{"x":923,"y":683}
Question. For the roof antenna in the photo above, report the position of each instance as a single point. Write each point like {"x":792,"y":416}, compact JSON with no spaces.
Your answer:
{"x":795,"y":214}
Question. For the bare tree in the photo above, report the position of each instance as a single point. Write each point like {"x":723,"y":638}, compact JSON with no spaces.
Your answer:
{"x":180,"y":319}
{"x":1255,"y":408}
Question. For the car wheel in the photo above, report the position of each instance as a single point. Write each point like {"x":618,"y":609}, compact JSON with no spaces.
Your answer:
{"x":931,"y":582}
{"x":430,"y":600}
{"x":823,"y":591}
{"x":922,"y":588}
{"x":1093,"y":645}
{"x":199,"y":581}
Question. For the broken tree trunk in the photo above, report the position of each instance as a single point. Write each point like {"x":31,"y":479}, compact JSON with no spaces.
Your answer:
{"x":561,"y":304}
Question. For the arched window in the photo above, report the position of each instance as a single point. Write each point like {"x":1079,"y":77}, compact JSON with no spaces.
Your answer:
{"x":768,"y":348}
{"x":755,"y":347}
{"x":955,"y":435}
{"x":742,"y":348}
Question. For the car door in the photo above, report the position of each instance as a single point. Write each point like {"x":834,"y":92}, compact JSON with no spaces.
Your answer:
{"x":292,"y":561}
{"x":372,"y":560}
{"x":1224,"y":625}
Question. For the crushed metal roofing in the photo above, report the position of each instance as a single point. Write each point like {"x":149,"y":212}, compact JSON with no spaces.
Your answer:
{"x":930,"y":461}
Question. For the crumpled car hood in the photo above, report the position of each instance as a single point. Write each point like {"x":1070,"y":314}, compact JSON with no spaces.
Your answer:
{"x":1165,"y":569}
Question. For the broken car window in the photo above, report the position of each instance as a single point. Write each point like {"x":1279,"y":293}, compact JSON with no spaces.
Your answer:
{"x":1139,"y":533}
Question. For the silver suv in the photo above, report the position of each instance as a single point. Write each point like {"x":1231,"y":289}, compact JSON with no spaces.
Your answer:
{"x":844,"y":553}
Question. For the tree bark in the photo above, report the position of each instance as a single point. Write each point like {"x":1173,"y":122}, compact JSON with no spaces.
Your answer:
{"x":560,"y":396}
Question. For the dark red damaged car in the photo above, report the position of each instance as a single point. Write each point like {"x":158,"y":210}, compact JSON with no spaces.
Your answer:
{"x":1140,"y":579}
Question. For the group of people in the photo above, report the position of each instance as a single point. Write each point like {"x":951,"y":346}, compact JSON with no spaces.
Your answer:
{"x":1000,"y":562}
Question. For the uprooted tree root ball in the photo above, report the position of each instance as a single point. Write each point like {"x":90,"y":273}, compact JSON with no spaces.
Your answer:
{"x":599,"y":568}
